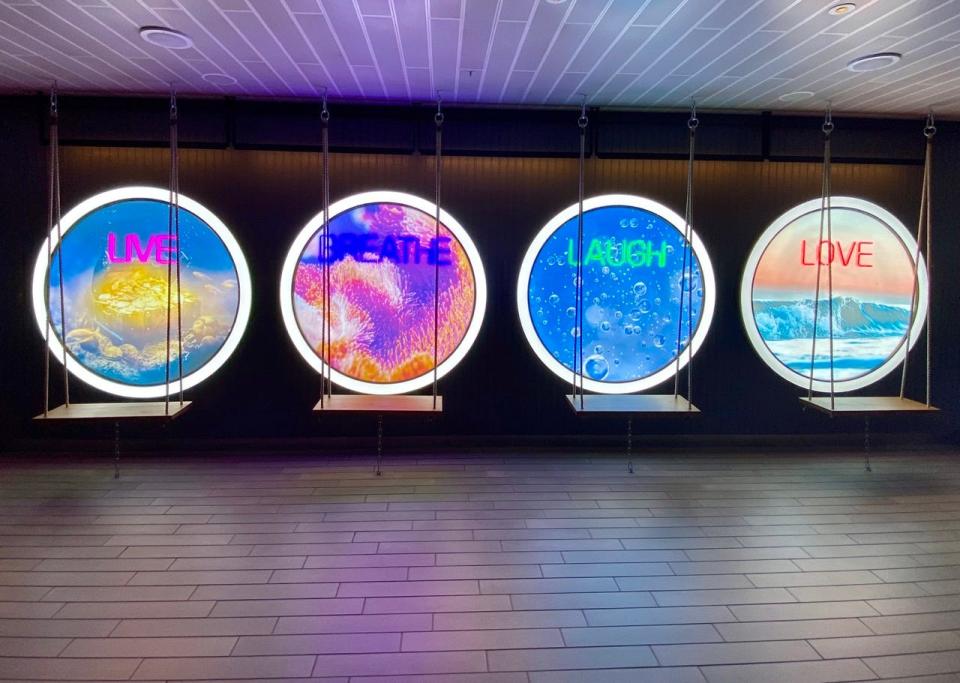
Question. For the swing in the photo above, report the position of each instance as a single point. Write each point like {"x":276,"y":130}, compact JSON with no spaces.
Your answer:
{"x":639,"y":404}
{"x":830,"y":403}
{"x":116,"y":412}
{"x":331,"y":402}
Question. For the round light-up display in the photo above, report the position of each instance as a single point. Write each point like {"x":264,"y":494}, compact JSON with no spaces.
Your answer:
{"x":871,"y":261}
{"x":383,"y":260}
{"x":637,"y":294}
{"x":114,"y":259}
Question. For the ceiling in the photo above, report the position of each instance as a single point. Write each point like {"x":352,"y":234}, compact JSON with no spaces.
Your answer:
{"x":727,"y":54}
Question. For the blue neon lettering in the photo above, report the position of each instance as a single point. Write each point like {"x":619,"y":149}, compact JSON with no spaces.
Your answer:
{"x":370,"y":248}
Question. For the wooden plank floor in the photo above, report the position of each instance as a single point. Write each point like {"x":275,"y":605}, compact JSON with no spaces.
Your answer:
{"x":482,"y":569}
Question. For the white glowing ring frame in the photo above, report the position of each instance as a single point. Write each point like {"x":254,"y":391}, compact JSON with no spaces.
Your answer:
{"x":150,"y":193}
{"x":315,"y":225}
{"x":523,"y":287}
{"x":746,"y":294}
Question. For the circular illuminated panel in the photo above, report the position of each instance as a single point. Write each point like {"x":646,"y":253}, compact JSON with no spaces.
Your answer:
{"x":633,"y":283}
{"x":871,"y":257}
{"x":114,"y":258}
{"x":383,"y":259}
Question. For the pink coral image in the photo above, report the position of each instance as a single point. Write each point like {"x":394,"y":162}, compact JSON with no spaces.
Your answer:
{"x":383,"y":263}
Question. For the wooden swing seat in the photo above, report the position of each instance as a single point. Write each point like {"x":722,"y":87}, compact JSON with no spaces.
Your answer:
{"x":866,"y":405}
{"x":636,"y":404}
{"x":155,"y":411}
{"x":367,"y":403}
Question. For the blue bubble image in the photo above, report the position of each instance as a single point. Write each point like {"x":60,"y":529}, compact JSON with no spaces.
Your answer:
{"x":631,"y":324}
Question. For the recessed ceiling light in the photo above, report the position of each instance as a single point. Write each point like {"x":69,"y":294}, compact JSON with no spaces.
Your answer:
{"x":881,"y":60}
{"x":555,"y":2}
{"x":841,"y":9}
{"x":796,"y":96}
{"x":219,"y":79}
{"x":166,"y":37}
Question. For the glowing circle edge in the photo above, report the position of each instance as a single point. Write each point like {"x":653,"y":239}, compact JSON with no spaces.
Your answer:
{"x":553,"y":225}
{"x":95,"y":202}
{"x":882,"y":216}
{"x":315,"y":225}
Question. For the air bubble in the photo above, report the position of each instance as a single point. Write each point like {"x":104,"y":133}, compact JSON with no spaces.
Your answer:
{"x":596,"y":367}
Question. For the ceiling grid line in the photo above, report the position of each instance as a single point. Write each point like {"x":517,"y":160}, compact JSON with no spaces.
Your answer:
{"x":373,"y":53}
{"x":516,"y":52}
{"x":610,"y":47}
{"x":343,"y":53}
{"x":263,"y":60}
{"x":283,"y":49}
{"x":546,"y":52}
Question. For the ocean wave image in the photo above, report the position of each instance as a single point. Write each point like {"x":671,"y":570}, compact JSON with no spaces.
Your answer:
{"x":784,"y":320}
{"x":633,"y":281}
{"x":382,"y":260}
{"x":115,"y":292}
{"x":864,"y":335}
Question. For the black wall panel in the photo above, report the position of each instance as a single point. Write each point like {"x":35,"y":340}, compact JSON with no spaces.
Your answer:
{"x":632,"y":134}
{"x":502,"y":197}
{"x":882,"y":140}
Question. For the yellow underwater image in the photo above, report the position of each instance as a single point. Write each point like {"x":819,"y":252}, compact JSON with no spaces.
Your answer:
{"x":121,"y":301}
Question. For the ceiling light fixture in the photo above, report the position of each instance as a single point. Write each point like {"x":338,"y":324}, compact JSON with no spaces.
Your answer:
{"x":842,"y":9}
{"x":166,"y":37}
{"x":875,"y":62}
{"x":219,"y":79}
{"x":796,"y":96}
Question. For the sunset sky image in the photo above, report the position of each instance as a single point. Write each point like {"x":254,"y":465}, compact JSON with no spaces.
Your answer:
{"x":870,"y":262}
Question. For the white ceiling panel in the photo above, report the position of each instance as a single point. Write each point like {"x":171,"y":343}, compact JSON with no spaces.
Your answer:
{"x":737,"y":54}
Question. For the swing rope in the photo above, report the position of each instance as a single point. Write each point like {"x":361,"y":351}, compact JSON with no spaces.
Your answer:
{"x":923,"y":233}
{"x":686,"y":276}
{"x":326,"y":375}
{"x":438,"y":121}
{"x":825,"y":219}
{"x":578,"y":288}
{"x":173,"y":234}
{"x":54,"y":214}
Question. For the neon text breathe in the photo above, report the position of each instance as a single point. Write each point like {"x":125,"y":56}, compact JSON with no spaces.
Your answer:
{"x":369,"y":247}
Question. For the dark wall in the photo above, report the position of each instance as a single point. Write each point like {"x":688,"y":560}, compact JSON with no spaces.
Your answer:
{"x":507,"y":172}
